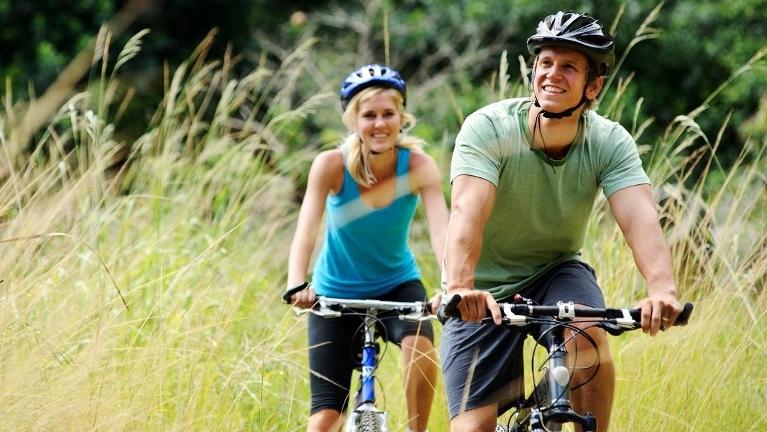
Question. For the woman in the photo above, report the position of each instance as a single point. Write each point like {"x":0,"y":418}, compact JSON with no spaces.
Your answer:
{"x":370,"y":187}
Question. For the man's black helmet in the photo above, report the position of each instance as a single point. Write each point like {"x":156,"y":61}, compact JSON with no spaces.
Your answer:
{"x":580,"y":32}
{"x":369,"y":76}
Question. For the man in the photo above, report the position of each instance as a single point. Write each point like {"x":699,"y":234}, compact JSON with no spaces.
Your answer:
{"x":524,"y":177}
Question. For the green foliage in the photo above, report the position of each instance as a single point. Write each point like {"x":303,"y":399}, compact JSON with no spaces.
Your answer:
{"x":449,"y":52}
{"x":38,"y":38}
{"x":702,"y":43}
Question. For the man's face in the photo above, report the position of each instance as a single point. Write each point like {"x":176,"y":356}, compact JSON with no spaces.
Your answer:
{"x":560,"y":77}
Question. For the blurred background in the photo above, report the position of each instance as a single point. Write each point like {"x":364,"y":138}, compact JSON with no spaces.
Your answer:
{"x":446,"y":50}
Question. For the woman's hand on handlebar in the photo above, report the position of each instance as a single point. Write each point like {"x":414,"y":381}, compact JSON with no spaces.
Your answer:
{"x":475,"y":303}
{"x":304,"y":299}
{"x":434,"y":303}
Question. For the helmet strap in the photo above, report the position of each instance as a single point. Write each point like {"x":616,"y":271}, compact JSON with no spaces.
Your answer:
{"x":558,"y":115}
{"x":537,"y":127}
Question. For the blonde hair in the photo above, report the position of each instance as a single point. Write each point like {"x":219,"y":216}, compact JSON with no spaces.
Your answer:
{"x":356,"y":158}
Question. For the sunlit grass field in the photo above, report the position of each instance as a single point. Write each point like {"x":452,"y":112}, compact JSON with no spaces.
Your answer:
{"x":140,"y":281}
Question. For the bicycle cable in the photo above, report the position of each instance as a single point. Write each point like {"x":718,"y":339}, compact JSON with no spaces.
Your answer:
{"x":575,"y":331}
{"x":379,"y":331}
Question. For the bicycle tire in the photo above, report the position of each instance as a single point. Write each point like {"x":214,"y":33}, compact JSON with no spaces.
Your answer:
{"x":369,"y":421}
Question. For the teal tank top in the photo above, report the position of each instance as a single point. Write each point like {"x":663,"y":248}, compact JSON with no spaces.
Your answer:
{"x":366,"y":252}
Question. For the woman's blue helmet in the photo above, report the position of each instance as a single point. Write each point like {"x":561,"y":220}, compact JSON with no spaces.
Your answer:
{"x":369,"y":76}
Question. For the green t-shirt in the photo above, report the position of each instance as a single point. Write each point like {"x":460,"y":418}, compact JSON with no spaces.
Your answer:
{"x":542,"y":207}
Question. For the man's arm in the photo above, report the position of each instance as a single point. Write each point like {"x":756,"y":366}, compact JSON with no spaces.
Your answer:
{"x":471,"y":204}
{"x":634,"y":210}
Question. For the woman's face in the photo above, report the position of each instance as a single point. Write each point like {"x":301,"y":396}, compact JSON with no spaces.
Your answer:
{"x":560,"y":77}
{"x":379,"y":122}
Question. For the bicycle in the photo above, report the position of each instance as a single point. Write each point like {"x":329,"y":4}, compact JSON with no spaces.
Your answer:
{"x":548,"y":407}
{"x":366,"y":416}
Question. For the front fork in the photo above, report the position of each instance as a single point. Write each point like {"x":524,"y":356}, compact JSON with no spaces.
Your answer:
{"x":369,"y":354}
{"x":558,"y":395}
{"x":365,"y":400}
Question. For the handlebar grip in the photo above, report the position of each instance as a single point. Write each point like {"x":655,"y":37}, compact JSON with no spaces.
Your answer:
{"x":450,"y":309}
{"x":684,"y":316}
{"x":290,"y":291}
{"x":682,"y":319}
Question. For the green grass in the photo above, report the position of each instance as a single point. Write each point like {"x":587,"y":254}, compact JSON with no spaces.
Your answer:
{"x":192,"y":232}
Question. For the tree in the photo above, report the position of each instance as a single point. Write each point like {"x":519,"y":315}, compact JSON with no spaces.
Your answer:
{"x":37,"y":40}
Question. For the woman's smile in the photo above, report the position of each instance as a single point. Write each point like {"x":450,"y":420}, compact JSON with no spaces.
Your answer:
{"x":379,"y":122}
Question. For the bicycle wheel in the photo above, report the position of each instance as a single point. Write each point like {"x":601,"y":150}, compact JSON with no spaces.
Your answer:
{"x":369,"y":421}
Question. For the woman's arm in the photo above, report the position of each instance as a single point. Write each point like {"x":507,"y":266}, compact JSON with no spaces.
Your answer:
{"x":430,"y":189}
{"x":323,"y":178}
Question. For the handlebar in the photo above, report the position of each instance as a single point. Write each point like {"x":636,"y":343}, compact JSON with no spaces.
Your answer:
{"x":614,"y":320}
{"x":330,"y":307}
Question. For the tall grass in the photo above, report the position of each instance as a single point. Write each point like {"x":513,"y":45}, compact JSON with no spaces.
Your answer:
{"x":189,"y":229}
{"x":143,"y":295}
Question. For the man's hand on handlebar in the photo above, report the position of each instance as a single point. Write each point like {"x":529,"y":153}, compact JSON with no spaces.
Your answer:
{"x":475,"y":303}
{"x":659,"y":312}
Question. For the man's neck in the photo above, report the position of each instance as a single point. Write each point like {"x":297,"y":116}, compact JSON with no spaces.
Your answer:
{"x":553,"y":135}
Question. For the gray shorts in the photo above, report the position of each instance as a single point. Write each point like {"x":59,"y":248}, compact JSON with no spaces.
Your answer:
{"x":483,"y":363}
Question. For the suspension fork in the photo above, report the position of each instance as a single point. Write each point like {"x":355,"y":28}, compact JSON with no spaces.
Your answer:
{"x":558,"y":380}
{"x":558,"y":374}
{"x":369,"y":360}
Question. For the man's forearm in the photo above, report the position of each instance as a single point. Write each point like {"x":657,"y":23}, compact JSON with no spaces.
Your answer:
{"x":463,"y":248}
{"x":653,"y":259}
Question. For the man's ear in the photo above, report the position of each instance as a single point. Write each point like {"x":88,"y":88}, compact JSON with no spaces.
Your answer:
{"x":594,"y":87}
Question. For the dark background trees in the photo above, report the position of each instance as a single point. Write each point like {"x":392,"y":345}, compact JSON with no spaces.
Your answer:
{"x":438,"y":44}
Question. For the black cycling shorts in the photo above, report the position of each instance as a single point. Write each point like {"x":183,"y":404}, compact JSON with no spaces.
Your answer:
{"x":335,"y":346}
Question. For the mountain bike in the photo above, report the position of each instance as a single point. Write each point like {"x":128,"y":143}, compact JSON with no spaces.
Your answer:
{"x":548,"y":406}
{"x":366,"y":416}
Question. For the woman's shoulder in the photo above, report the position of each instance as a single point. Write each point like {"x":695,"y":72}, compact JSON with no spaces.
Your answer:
{"x":328,"y":170}
{"x":417,"y":155}
{"x":330,"y":159}
{"x":423,"y":167}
